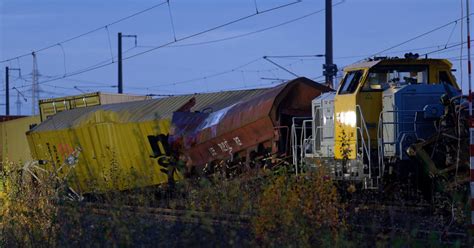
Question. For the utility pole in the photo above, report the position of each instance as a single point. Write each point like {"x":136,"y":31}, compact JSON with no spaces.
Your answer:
{"x":7,"y":87}
{"x":119,"y":55}
{"x":329,"y":69}
{"x":120,"y":79}
{"x":7,"y":92}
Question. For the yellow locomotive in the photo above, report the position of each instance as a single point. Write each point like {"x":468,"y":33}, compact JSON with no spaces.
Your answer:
{"x":382,"y":106}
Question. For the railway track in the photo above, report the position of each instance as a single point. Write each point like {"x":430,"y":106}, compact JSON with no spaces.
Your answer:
{"x":375,"y":221}
{"x":164,"y":214}
{"x":386,"y":221}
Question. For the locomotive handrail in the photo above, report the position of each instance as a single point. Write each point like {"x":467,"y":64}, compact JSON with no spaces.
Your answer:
{"x":294,"y":141}
{"x":363,"y":125}
{"x":380,"y":139}
{"x":303,"y":138}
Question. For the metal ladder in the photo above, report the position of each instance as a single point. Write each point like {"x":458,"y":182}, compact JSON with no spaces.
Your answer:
{"x":298,"y":158}
{"x":364,"y":148}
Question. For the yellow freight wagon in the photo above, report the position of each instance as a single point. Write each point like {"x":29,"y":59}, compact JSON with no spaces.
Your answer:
{"x":103,"y":154}
{"x":14,"y":145}
{"x":49,"y":107}
{"x":118,"y":146}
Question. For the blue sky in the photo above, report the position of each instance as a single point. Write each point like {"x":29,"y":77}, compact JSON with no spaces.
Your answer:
{"x":361,"y":28}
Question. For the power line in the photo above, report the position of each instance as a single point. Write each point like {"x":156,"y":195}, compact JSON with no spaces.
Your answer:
{"x":88,"y":32}
{"x":419,"y":36}
{"x":253,"y":32}
{"x":215,"y":28}
{"x":296,"y":56}
{"x":211,"y":75}
{"x":98,"y":66}
{"x":446,"y":48}
{"x":318,"y":56}
{"x":235,"y":69}
{"x":279,"y":66}
{"x":171,"y":19}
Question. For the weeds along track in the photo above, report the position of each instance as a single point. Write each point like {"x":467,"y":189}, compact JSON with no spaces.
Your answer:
{"x":163,"y":214}
{"x":418,"y":221}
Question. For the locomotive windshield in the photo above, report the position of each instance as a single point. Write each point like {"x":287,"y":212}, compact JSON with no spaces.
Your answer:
{"x":379,"y":78}
{"x":350,"y":82}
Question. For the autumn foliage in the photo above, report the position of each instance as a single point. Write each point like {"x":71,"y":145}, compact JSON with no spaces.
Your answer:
{"x":28,"y":210}
{"x":298,"y":211}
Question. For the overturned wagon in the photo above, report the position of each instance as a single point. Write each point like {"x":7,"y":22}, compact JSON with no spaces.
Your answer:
{"x":131,"y":145}
{"x":247,"y":128}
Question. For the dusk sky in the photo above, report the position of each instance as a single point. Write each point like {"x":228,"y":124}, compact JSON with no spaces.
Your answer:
{"x":361,"y":29}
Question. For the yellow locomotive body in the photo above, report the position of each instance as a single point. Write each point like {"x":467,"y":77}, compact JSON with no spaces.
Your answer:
{"x":382,"y":106}
{"x":359,"y":96}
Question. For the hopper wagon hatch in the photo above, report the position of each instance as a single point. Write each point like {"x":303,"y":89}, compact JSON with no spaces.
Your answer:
{"x":137,"y":144}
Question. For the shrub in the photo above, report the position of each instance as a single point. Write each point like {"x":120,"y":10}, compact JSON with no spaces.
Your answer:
{"x":298,"y":211}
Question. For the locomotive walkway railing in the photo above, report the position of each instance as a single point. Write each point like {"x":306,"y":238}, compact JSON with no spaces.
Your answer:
{"x":381,"y":143}
{"x":295,"y":145}
{"x":365,"y":145}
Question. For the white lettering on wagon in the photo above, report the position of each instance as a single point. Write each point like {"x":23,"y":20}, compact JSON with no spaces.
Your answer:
{"x":224,"y":146}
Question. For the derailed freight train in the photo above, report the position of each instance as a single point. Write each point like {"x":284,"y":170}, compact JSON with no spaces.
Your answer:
{"x":391,"y":121}
{"x":137,"y":144}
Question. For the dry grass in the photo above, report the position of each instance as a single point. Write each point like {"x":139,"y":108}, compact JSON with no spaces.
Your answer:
{"x":29,"y":210}
{"x":284,"y":211}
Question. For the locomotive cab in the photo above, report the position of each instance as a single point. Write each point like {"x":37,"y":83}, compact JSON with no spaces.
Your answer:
{"x":377,"y":108}
{"x":359,"y":97}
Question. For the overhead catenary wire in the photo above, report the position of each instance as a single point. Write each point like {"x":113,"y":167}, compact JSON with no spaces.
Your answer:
{"x":64,"y":58}
{"x":255,"y":5}
{"x":98,"y":66}
{"x":211,"y":75}
{"x":279,"y":66}
{"x":171,"y":20}
{"x":215,"y":28}
{"x":419,"y":36}
{"x":235,"y":69}
{"x":444,"y":48}
{"x":452,"y":32}
{"x":88,"y":32}
{"x":248,"y":71}
{"x":110,"y":43}
{"x":319,"y":56}
{"x":252,"y":32}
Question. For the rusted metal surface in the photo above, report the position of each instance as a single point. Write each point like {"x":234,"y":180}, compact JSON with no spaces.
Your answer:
{"x":232,"y":130}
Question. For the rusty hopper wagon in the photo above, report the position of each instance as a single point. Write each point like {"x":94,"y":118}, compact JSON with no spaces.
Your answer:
{"x":129,"y":145}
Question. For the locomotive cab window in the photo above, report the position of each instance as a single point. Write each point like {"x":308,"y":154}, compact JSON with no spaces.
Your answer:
{"x":380,"y":78}
{"x":444,"y":78}
{"x":350,"y":82}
